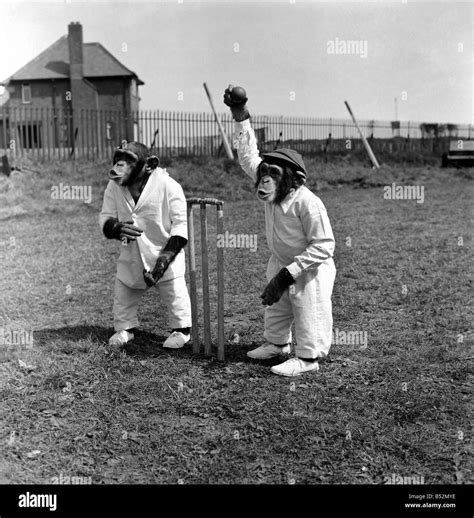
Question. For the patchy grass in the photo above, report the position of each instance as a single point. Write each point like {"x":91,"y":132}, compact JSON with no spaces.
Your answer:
{"x":71,"y":406}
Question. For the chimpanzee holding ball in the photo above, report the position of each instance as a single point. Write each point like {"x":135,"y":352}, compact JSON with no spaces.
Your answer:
{"x":145,"y":209}
{"x":300,"y":271}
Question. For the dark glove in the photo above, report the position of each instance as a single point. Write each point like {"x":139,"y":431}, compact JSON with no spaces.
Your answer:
{"x":276,"y":287}
{"x":162,"y":263}
{"x":114,"y":229}
{"x":166,"y":257}
{"x":236,"y":104}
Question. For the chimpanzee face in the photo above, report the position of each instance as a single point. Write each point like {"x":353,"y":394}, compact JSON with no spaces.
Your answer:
{"x":269,"y":177}
{"x":275,"y":182}
{"x":124,"y":169}
{"x":129,"y":161}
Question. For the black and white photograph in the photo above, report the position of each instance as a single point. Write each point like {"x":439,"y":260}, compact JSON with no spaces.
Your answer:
{"x":236,"y":257}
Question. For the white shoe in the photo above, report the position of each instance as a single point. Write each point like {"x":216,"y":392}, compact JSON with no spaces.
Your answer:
{"x":176,"y":340}
{"x":267,"y":351}
{"x":294,"y":367}
{"x":121,"y":338}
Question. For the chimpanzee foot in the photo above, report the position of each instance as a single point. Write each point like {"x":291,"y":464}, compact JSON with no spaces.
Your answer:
{"x":295,"y":367}
{"x":121,"y":338}
{"x":176,"y":340}
{"x":267,"y":351}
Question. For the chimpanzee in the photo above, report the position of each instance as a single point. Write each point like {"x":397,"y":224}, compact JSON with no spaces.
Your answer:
{"x":301,"y":270}
{"x":145,"y":209}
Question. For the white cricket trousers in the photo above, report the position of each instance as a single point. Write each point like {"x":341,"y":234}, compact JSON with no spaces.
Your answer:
{"x":307,"y":303}
{"x":173,"y":294}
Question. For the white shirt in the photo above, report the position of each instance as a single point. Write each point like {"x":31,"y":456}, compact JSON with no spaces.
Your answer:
{"x":160,"y":212}
{"x":298,"y":230}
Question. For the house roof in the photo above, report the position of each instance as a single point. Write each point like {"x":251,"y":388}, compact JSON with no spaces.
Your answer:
{"x":53,"y":63}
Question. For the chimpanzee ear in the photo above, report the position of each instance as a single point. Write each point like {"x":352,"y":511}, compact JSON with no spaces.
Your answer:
{"x":152,"y":162}
{"x":301,"y":177}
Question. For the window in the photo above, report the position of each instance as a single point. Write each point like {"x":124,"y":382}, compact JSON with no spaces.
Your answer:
{"x":30,"y":135}
{"x":26,"y":93}
{"x":63,"y":133}
{"x":134,"y":88}
{"x":109,"y":131}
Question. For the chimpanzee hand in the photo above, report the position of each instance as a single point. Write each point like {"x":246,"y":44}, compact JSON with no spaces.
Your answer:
{"x":235,"y":99}
{"x":174,"y":245}
{"x":114,"y":229}
{"x":129,"y":231}
{"x":276,"y":287}
{"x":162,"y":263}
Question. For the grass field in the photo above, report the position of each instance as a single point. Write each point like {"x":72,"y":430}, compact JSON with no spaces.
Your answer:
{"x":399,"y":407}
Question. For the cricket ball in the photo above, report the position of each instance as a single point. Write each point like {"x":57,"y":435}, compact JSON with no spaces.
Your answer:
{"x":238,"y":94}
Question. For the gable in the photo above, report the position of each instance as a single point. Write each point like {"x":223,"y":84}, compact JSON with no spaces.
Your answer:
{"x":53,"y":63}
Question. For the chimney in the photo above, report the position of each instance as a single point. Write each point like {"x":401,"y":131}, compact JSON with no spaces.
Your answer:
{"x":75,"y":50}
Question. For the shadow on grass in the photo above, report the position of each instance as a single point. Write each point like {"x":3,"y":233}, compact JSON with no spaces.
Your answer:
{"x":83,"y":338}
{"x":80,"y":338}
{"x":71,"y":339}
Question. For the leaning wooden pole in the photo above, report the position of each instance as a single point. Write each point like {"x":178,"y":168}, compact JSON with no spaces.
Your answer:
{"x":227,"y":147}
{"x":364,"y":140}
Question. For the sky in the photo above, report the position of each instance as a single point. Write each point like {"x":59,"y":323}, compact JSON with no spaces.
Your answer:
{"x":293,"y":57}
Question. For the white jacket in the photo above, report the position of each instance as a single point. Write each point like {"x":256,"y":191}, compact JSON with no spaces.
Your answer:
{"x":160,"y":213}
{"x":298,"y":230}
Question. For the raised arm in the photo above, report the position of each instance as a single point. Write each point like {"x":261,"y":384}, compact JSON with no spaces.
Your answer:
{"x":244,"y":135}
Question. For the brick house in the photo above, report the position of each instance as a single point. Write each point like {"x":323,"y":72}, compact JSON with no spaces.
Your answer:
{"x":75,"y":94}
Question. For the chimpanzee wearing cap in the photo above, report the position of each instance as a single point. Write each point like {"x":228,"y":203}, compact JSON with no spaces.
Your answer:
{"x":145,"y":209}
{"x":301,"y":270}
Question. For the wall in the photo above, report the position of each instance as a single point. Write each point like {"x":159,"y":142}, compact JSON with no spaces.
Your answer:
{"x":108,"y":94}
{"x":111,"y":93}
{"x":49,"y":130}
{"x":84,"y":97}
{"x":115,"y":95}
{"x":44,"y":93}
